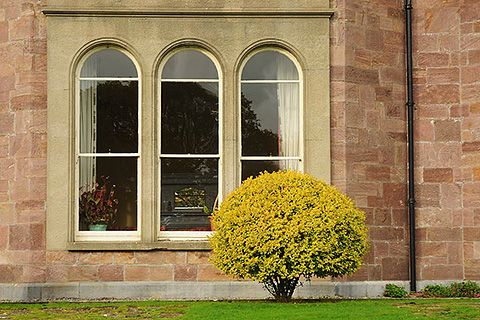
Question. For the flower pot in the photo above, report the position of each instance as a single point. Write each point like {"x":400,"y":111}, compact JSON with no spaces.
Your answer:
{"x":97,"y":227}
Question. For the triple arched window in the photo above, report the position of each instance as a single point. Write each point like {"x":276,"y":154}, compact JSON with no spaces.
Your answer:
{"x":189,"y":141}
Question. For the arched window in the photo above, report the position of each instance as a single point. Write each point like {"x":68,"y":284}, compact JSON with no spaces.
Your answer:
{"x":190,"y":143}
{"x":271,"y":131}
{"x":108,"y":143}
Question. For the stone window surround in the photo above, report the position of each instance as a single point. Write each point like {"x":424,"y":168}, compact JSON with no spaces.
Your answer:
{"x":312,"y":56}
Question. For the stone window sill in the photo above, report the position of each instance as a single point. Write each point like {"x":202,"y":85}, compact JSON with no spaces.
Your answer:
{"x":167,"y":245}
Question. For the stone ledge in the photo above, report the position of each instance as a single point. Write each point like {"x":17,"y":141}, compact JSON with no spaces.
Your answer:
{"x":188,"y":290}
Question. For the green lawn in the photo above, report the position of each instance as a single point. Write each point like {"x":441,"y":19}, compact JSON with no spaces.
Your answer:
{"x":324,"y":309}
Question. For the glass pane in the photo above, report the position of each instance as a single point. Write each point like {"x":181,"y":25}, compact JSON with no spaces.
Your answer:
{"x":108,"y":63}
{"x":196,"y":180}
{"x":270,"y":65}
{"x":118,"y":172}
{"x":189,"y":118}
{"x":189,"y":64}
{"x":270,"y":119}
{"x":254,"y":167}
{"x":108,"y":116}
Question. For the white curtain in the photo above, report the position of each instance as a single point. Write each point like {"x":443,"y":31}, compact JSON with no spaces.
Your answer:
{"x":88,"y":124}
{"x":288,"y":114}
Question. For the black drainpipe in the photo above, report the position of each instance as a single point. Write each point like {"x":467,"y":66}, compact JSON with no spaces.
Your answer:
{"x":411,"y":174}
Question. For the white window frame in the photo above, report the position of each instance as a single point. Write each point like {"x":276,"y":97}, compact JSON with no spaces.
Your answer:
{"x":188,"y":235}
{"x":301,"y":142}
{"x":103,"y":236}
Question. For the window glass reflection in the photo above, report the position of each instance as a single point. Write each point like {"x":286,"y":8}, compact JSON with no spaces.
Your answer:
{"x":189,"y":64}
{"x":189,"y":118}
{"x":270,"y":65}
{"x":108,"y":116}
{"x":187,"y":186}
{"x":270,"y":119}
{"x":122,"y":175}
{"x":255,"y":167}
{"x":108,"y":63}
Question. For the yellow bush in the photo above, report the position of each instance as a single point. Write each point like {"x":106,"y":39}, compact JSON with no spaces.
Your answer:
{"x":283,"y":225}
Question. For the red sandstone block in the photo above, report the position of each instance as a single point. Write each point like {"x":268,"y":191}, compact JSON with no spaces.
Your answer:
{"x":468,"y":250}
{"x":459,"y":110}
{"x":7,"y":169}
{"x":62,"y":257}
{"x":375,"y":173}
{"x":391,"y":75}
{"x":429,"y":249}
{"x":3,"y":236}
{"x":449,"y":42}
{"x":7,"y":213}
{"x":395,"y":268}
{"x":29,"y":102}
{"x":6,"y":123}
{"x":31,"y":121}
{"x":471,"y":192}
{"x":27,"y":237}
{"x":31,"y":168}
{"x":442,"y":20}
{"x":470,"y":74}
{"x":470,"y":41}
{"x":34,"y":273}
{"x":185,"y":272}
{"x":29,"y":145}
{"x":470,"y":92}
{"x":428,"y":60}
{"x":123,"y":257}
{"x":382,"y":217}
{"x":441,"y":272}
{"x":438,"y":94}
{"x":423,"y":130}
{"x":28,"y":189}
{"x":438,"y":175}
{"x":161,"y":273}
{"x":386,"y":233}
{"x":374,"y":40}
{"x":380,"y":249}
{"x":22,"y":28}
{"x":197,"y":257}
{"x":11,"y":273}
{"x":56,"y":274}
{"x":471,"y":146}
{"x":137,"y":273}
{"x":83,"y":273}
{"x":448,"y":130}
{"x":451,"y":196}
{"x":476,"y":217}
{"x":455,"y":252}
{"x":472,"y":271}
{"x":471,"y":233}
{"x":208,"y":272}
{"x":361,"y":75}
{"x":395,"y":110}
{"x":434,"y":217}
{"x":174,"y":257}
{"x":149,"y":257}
{"x":473,"y":57}
{"x":443,"y":75}
{"x":394,"y":194}
{"x":111,"y":273}
{"x":444,"y":234}
{"x":27,"y":257}
{"x":95,"y":258}
{"x":399,"y":217}
{"x":363,"y":58}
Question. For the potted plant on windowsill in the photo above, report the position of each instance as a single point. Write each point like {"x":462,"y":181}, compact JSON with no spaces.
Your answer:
{"x":98,"y":206}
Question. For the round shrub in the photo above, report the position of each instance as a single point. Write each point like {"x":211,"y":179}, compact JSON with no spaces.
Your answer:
{"x":283,"y":225}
